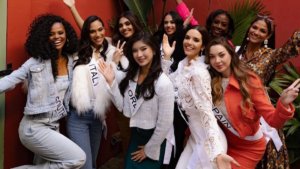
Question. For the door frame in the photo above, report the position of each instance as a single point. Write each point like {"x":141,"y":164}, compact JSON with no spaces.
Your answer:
{"x":3,"y":27}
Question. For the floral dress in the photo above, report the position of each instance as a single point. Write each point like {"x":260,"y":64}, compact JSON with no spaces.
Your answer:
{"x":264,"y":63}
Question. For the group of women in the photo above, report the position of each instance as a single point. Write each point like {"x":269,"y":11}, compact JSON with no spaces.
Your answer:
{"x":185,"y":81}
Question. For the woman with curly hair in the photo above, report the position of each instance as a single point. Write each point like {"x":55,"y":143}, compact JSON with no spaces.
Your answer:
{"x":50,"y":43}
{"x":241,"y":100}
{"x":90,"y":100}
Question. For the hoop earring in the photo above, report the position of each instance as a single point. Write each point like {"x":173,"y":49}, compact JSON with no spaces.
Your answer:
{"x":266,"y":43}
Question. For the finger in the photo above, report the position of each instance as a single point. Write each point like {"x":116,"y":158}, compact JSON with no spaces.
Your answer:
{"x":295,"y":83}
{"x":191,"y":12}
{"x":118,"y":44}
{"x":235,"y":162}
{"x":123,"y":44}
{"x":298,"y":85}
{"x":165,"y":38}
{"x":141,"y":146}
{"x":134,"y":153}
{"x":173,"y":45}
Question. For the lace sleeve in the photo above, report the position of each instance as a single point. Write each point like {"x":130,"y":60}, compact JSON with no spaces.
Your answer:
{"x":201,"y":93}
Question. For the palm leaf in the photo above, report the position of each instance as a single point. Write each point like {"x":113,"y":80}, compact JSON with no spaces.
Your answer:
{"x":140,"y":8}
{"x":243,"y":13}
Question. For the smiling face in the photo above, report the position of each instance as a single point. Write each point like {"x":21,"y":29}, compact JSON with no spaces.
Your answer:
{"x":258,"y":32}
{"x":220,"y":25}
{"x":125,"y":27}
{"x":142,"y":54}
{"x":192,"y":43}
{"x":220,"y":59}
{"x":169,"y":25}
{"x":58,"y":36}
{"x":97,"y":33}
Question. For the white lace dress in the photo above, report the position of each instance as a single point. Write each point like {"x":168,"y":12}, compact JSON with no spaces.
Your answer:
{"x":192,"y":85}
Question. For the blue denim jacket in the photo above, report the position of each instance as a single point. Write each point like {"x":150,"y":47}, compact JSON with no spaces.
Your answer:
{"x":42,"y":93}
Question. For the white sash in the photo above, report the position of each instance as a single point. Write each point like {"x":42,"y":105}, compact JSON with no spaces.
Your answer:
{"x":271,"y":133}
{"x":94,"y":75}
{"x":221,"y":118}
{"x":60,"y":108}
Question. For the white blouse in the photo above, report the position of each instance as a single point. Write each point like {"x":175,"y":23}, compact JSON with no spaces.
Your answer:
{"x":192,"y":84}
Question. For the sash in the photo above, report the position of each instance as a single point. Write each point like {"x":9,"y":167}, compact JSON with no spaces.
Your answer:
{"x":271,"y":133}
{"x":60,"y":108}
{"x":221,"y":118}
{"x":94,"y":75}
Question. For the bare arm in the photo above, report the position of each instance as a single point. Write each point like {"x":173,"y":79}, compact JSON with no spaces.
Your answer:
{"x":78,"y":19}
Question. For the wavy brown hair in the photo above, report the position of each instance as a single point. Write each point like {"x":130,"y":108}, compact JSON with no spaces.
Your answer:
{"x":239,"y":70}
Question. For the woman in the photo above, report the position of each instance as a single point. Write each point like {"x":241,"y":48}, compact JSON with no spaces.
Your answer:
{"x":257,"y":53}
{"x":218,"y":23}
{"x":89,"y":98}
{"x":172,"y":26}
{"x":50,"y":44}
{"x":241,"y":100}
{"x":145,"y":95}
{"x":206,"y":146}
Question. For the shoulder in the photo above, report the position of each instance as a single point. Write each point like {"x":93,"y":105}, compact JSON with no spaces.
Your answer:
{"x":110,"y":50}
{"x":164,"y":81}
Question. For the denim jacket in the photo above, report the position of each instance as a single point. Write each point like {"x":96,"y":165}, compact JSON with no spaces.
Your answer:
{"x":42,"y":93}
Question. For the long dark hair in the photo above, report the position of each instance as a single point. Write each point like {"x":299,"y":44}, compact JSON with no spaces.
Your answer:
{"x":210,"y":19}
{"x":178,"y":36}
{"x":147,"y":87}
{"x":85,"y":51}
{"x":133,"y":19}
{"x":271,"y":33}
{"x":38,"y":46}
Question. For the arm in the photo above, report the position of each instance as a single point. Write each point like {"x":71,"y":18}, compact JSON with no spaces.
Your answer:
{"x":288,"y":50}
{"x":184,"y":12}
{"x":200,"y":91}
{"x":284,"y":108}
{"x":165,"y":94}
{"x":166,"y":53}
{"x":78,"y":19}
{"x":10,"y":81}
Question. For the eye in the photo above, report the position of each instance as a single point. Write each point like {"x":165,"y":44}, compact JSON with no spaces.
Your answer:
{"x":196,"y":39}
{"x":187,"y":37}
{"x":127,"y":23}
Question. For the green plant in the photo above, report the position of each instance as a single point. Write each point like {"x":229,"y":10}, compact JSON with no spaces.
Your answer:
{"x":292,"y":127}
{"x":243,"y":13}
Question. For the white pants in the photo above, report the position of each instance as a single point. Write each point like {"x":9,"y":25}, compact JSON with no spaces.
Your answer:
{"x":52,"y":149}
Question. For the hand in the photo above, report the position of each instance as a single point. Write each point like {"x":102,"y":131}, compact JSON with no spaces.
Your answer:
{"x":139,"y":155}
{"x":119,"y":52}
{"x":224,"y":161}
{"x":187,"y":21}
{"x":107,"y":71}
{"x":69,"y":3}
{"x":167,"y":49}
{"x":289,"y":94}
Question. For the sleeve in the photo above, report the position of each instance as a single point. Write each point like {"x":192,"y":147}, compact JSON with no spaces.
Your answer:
{"x":288,"y":50}
{"x":184,"y":12}
{"x":116,"y":96}
{"x":166,"y":65}
{"x":164,"y":122}
{"x":275,"y":117}
{"x":201,"y":94}
{"x":10,"y":81}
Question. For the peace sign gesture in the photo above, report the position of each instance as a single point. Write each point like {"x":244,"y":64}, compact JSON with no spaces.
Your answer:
{"x":118,"y":52}
{"x":289,"y":94}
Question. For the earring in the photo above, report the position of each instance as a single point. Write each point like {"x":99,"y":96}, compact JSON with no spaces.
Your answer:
{"x":67,"y":44}
{"x":266,"y":43}
{"x":247,"y":38}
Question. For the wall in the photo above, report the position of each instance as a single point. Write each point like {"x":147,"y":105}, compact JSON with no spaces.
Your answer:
{"x":283,"y":12}
{"x":3,"y":5}
{"x":19,"y":16}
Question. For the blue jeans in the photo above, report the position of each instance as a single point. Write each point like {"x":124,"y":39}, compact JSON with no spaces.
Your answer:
{"x":85,"y":130}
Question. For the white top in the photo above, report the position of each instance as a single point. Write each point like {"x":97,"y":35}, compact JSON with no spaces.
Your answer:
{"x":155,"y":113}
{"x":193,"y":93}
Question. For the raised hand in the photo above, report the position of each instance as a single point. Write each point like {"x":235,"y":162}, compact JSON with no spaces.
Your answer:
{"x":107,"y":71}
{"x":69,"y":3}
{"x":289,"y":94}
{"x":139,"y":155}
{"x":187,"y":21}
{"x":119,"y":52}
{"x":224,"y":161}
{"x":167,"y":49}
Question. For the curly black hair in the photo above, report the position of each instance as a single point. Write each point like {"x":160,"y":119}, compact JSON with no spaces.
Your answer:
{"x":85,"y":51}
{"x":38,"y":46}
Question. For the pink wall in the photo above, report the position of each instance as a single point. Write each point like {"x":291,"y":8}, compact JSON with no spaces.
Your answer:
{"x":285,"y":13}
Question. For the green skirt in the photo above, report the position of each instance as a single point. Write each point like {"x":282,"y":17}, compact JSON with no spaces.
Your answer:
{"x":140,"y":137}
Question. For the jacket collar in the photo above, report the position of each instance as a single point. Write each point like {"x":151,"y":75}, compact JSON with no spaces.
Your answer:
{"x":233,"y":82}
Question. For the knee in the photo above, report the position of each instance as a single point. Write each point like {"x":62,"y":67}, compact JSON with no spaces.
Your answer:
{"x":79,"y":161}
